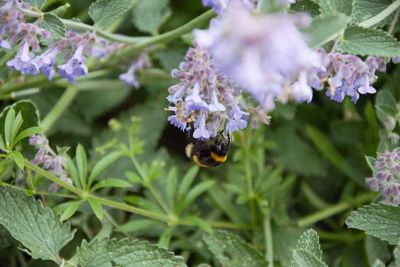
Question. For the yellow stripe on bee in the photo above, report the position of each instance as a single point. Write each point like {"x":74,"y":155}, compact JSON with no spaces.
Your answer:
{"x":218,"y":158}
{"x":197,"y":161}
{"x":189,"y":149}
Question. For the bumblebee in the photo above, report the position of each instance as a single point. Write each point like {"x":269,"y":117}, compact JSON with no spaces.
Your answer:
{"x":210,"y":152}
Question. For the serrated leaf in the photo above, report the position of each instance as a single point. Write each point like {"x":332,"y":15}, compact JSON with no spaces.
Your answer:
{"x":18,"y":159}
{"x":96,"y":207}
{"x":378,"y":220}
{"x":105,"y":12}
{"x":102,"y":164}
{"x":37,"y":228}
{"x":36,"y":3}
{"x":111,"y":182}
{"x":366,"y":9}
{"x":303,"y":258}
{"x":73,"y":206}
{"x":369,"y":42}
{"x":309,"y":241}
{"x":125,"y":252}
{"x":335,"y":6}
{"x":308,"y":251}
{"x":54,"y":25}
{"x":324,"y":27}
{"x":232,"y":251}
{"x":149,"y":15}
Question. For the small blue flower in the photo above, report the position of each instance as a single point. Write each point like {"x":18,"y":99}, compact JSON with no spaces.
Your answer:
{"x":23,"y":61}
{"x":75,"y":67}
{"x":174,"y":120}
{"x":129,"y":78}
{"x":201,"y":131}
{"x":194,"y":101}
{"x":5,"y":44}
{"x":46,"y":62}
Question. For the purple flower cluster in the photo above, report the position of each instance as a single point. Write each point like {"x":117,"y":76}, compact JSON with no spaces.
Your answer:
{"x":347,"y":75}
{"x":74,"y":48}
{"x":221,"y":6}
{"x":129,"y":78}
{"x":263,"y":54}
{"x":204,"y":101}
{"x":10,"y":22}
{"x":386,"y":179}
{"x":48,"y":159}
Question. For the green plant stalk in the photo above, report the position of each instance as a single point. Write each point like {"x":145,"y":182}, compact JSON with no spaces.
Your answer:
{"x":313,"y":198}
{"x":61,"y":105}
{"x":35,"y":192}
{"x":335,"y":209}
{"x":165,"y":37}
{"x":269,"y":244}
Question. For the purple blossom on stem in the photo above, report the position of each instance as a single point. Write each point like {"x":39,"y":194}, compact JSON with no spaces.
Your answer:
{"x":75,"y":67}
{"x":23,"y":61}
{"x":262,"y":54}
{"x":129,"y":78}
{"x":386,"y":178}
{"x":204,"y":102}
{"x":48,"y":159}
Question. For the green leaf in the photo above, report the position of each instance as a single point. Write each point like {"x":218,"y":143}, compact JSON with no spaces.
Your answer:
{"x":96,"y":207}
{"x":172,"y":181}
{"x":73,"y":172}
{"x":335,"y":6}
{"x":81,"y":163}
{"x":27,"y":133}
{"x":71,"y":209}
{"x":102,"y":164}
{"x":54,"y":25}
{"x":36,"y":3}
{"x":125,"y":252}
{"x":37,"y":228}
{"x":111,"y":182}
{"x":9,"y":121}
{"x":371,"y":162}
{"x":232,"y":251}
{"x":195,"y":192}
{"x":187,"y":181}
{"x":378,"y":220}
{"x":16,"y":126}
{"x":138,"y":225}
{"x":28,"y":113}
{"x":105,"y":12}
{"x":18,"y":159}
{"x":326,"y":26}
{"x":366,"y":9}
{"x":308,"y":251}
{"x":369,"y":42}
{"x":149,"y":15}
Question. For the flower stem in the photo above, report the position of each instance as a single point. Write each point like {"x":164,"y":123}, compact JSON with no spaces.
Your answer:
{"x":166,"y":37}
{"x":335,"y":209}
{"x":61,"y":105}
{"x":269,"y":256}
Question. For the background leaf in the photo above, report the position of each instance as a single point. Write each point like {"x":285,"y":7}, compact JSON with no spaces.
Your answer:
{"x":149,"y":15}
{"x":105,"y":12}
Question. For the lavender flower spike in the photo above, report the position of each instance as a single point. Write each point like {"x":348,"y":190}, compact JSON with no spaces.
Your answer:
{"x":261,"y":53}
{"x":386,"y":178}
{"x":75,"y":67}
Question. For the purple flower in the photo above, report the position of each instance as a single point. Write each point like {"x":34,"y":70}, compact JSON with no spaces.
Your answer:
{"x":23,"y":61}
{"x":46,"y":62}
{"x":386,"y":178}
{"x":129,"y":78}
{"x":262,"y":54}
{"x":349,"y":75}
{"x":205,"y":103}
{"x":5,"y":44}
{"x":75,"y":67}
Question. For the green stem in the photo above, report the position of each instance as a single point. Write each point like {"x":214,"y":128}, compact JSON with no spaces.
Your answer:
{"x":335,"y":209}
{"x":268,"y":239}
{"x":82,"y":26}
{"x":35,"y":192}
{"x":313,"y":198}
{"x":61,"y":105}
{"x":166,"y":37}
